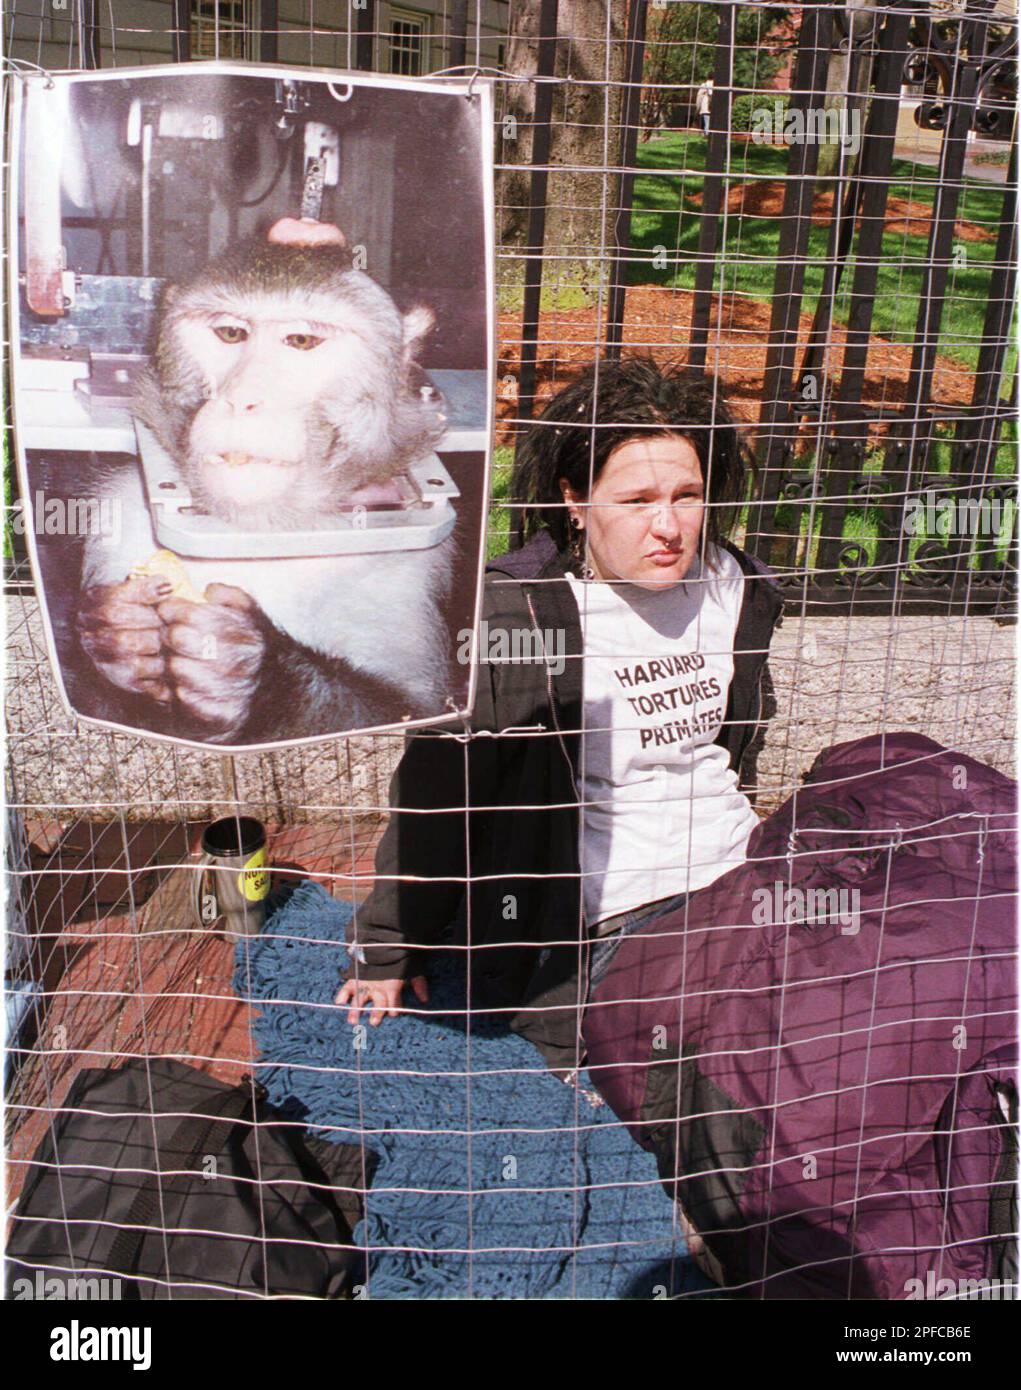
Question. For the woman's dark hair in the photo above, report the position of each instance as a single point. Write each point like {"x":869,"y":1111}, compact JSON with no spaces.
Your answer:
{"x":610,"y":404}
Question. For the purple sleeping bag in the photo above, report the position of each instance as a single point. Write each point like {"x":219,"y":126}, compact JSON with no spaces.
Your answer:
{"x":820,"y":1046}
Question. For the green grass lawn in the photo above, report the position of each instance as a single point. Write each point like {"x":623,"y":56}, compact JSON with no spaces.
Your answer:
{"x":501,"y":518}
{"x":666,"y":215}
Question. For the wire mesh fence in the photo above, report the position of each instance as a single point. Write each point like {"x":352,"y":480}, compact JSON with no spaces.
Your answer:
{"x":814,"y":207}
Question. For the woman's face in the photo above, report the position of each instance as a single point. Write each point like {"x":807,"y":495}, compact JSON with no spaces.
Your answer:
{"x":643,"y":520}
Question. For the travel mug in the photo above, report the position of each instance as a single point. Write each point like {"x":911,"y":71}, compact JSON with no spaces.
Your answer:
{"x":232,"y":879}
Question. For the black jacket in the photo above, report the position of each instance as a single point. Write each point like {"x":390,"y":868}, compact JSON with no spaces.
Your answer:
{"x":500,"y":814}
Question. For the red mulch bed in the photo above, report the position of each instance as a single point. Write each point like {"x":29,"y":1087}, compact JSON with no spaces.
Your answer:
{"x":765,"y":198}
{"x":658,"y":321}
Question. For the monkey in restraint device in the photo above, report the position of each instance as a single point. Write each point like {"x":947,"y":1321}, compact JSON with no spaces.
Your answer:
{"x":281,"y":391}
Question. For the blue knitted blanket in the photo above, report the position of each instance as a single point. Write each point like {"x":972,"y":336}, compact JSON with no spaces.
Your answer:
{"x":494,"y":1178}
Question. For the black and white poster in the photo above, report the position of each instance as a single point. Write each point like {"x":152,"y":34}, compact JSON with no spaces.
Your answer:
{"x":253,"y":373}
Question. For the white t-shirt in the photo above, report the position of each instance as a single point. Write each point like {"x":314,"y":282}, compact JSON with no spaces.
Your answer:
{"x":661,"y":809}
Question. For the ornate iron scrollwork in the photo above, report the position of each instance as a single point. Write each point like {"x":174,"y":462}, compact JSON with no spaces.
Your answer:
{"x":796,"y":487}
{"x":855,"y":566}
{"x":857,"y":23}
{"x":872,"y":488}
{"x":922,"y":572}
{"x":941,"y":38}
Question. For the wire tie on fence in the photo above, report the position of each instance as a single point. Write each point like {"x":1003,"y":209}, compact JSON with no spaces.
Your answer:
{"x":336,"y":96}
{"x":471,"y":85}
{"x":983,"y":835}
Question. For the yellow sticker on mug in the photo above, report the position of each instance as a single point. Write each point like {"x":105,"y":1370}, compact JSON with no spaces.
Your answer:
{"x":253,"y":880}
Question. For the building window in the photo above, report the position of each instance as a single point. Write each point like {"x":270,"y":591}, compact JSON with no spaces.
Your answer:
{"x":218,"y":29}
{"x":409,"y":37}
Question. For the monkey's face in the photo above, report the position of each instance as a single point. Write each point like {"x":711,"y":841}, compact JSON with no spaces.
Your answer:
{"x":268,"y":373}
{"x":284,"y":401}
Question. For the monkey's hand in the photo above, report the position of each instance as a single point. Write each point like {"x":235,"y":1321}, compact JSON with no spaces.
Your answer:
{"x":120,"y":629}
{"x":214,"y":653}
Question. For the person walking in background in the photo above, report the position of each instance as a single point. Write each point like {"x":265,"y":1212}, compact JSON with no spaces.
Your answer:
{"x":702,"y":103}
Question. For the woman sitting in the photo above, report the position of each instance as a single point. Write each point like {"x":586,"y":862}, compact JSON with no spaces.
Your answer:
{"x":619,"y":686}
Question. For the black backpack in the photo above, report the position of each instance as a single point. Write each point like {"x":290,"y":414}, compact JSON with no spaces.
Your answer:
{"x":229,"y":1202}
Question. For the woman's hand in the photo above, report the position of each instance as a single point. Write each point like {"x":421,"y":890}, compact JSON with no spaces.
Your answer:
{"x":383,"y":995}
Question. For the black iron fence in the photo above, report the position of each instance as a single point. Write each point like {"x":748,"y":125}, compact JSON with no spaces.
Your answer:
{"x":880,"y":506}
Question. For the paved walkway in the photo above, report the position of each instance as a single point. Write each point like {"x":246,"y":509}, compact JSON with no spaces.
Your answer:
{"x":923,"y":147}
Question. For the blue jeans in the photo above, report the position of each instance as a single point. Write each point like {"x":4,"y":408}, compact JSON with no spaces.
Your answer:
{"x":605,"y":946}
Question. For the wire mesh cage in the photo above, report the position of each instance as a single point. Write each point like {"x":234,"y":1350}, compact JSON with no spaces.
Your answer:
{"x":812,"y":208}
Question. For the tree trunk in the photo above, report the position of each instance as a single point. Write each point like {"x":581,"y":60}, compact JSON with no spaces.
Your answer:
{"x":514,"y":127}
{"x":838,"y":88}
{"x":836,"y":98}
{"x":581,"y":201}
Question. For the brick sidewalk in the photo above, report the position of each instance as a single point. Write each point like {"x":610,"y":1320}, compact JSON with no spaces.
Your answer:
{"x":125,"y":972}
